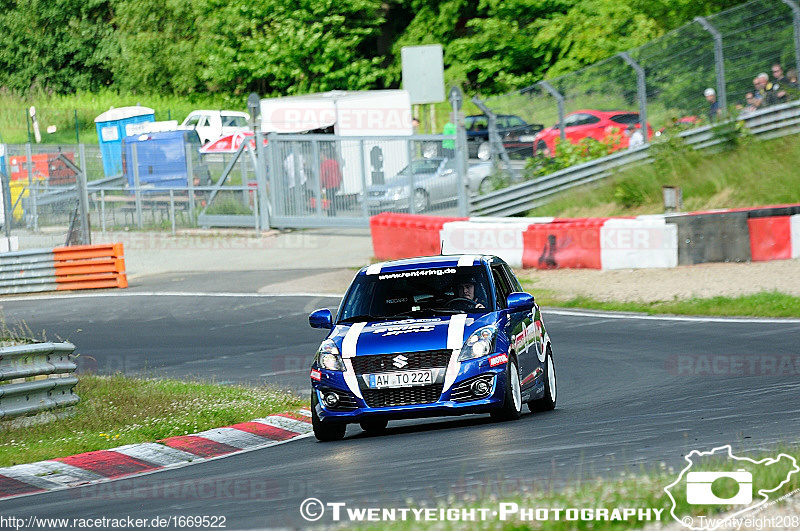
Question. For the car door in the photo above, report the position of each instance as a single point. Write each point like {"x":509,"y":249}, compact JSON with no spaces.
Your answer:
{"x":522,"y":332}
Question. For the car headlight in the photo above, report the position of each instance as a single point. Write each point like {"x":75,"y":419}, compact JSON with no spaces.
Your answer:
{"x":478,"y":344}
{"x":328,"y":356}
{"x":397,"y":192}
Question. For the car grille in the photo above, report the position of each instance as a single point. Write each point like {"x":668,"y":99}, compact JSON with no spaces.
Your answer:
{"x":429,"y":359}
{"x":463,"y":393}
{"x":404,"y":396}
{"x":377,"y":193}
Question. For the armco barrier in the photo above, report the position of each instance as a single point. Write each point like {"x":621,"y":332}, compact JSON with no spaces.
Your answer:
{"x":405,"y":235}
{"x":49,"y":369}
{"x":63,"y":268}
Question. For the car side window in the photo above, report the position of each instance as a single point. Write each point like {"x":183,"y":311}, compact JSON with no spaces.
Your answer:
{"x":516,"y":121}
{"x":512,"y":280}
{"x":501,"y":286}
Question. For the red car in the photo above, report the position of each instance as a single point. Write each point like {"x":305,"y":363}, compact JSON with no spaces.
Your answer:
{"x":589,"y":123}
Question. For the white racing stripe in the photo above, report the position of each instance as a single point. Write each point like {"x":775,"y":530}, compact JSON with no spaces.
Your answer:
{"x":374,"y":269}
{"x":351,"y":340}
{"x":466,"y":260}
{"x":455,"y":339}
{"x":350,"y":378}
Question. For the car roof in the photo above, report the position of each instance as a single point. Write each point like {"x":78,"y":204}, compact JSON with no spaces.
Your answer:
{"x":437,"y":261}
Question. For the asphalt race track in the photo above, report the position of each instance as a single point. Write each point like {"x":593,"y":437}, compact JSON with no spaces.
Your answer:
{"x":631,"y":392}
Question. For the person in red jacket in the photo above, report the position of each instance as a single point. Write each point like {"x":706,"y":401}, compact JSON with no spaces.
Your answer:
{"x":330,"y":176}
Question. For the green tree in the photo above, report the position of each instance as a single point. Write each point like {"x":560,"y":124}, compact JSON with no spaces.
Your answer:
{"x":56,"y":46}
{"x":279,"y":47}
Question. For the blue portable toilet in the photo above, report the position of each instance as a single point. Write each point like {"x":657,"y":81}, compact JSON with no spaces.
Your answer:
{"x":111,"y":130}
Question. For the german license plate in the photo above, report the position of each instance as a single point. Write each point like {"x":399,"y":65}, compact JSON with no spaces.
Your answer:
{"x":400,"y":379}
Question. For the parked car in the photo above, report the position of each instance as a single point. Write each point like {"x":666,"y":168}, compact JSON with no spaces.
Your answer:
{"x":210,"y":125}
{"x":435,"y":183}
{"x":592,"y":124}
{"x":517,"y":135}
{"x":430,"y":336}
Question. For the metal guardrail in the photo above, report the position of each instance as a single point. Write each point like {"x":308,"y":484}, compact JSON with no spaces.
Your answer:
{"x":52,"y":369}
{"x":772,"y":122}
{"x":63,"y":268}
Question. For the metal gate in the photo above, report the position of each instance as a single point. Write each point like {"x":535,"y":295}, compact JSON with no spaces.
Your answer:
{"x":325,"y":180}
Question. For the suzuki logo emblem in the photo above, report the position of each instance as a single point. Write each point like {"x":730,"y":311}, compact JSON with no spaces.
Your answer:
{"x":399,"y":361}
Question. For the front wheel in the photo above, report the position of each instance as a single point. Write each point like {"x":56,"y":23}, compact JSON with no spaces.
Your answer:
{"x":512,"y":406}
{"x":325,"y":431}
{"x":548,"y":400}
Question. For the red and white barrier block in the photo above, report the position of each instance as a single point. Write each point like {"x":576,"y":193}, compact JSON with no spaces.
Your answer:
{"x":103,"y":465}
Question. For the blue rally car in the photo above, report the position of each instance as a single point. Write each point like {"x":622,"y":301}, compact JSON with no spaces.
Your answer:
{"x":432,"y":336}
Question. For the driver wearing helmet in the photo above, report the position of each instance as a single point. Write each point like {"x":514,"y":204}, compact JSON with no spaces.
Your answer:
{"x":465,"y":289}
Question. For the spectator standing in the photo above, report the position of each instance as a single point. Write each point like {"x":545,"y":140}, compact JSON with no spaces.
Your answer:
{"x":779,"y":83}
{"x":449,"y":146}
{"x":330,"y":177}
{"x":713,"y":104}
{"x":769,"y":96}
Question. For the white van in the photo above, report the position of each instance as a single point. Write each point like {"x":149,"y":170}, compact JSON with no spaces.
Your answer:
{"x":210,"y":125}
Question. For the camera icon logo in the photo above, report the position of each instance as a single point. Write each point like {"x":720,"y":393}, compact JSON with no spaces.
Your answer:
{"x":699,"y":488}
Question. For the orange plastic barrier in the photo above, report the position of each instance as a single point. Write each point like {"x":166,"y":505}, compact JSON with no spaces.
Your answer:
{"x":770,"y":238}
{"x":406,"y":235}
{"x":562,"y":244}
{"x":90,"y":267}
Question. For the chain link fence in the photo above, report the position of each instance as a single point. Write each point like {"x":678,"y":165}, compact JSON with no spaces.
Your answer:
{"x":725,"y":52}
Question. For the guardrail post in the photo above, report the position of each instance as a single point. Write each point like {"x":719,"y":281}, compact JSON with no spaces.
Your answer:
{"x":8,"y":215}
{"x":560,"y":100}
{"x":34,"y":215}
{"x":83,"y":199}
{"x":137,"y":193}
{"x":364,"y":187}
{"x":412,"y":208}
{"x":641,"y":89}
{"x":796,"y":24}
{"x":103,"y":211}
{"x":172,"y":209}
{"x":263,"y":162}
{"x":494,"y":138}
{"x":719,"y":61}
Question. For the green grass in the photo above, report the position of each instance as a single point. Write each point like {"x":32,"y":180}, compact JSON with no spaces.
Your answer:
{"x":65,"y":111}
{"x":764,"y":304}
{"x":753,"y":173}
{"x":641,"y":488}
{"x":118,"y":410}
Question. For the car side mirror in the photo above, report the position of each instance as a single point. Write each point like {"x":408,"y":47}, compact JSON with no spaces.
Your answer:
{"x":321,"y":319}
{"x":519,"y":301}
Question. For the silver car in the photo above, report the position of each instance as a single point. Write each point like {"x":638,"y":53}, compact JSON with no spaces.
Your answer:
{"x":435,"y":183}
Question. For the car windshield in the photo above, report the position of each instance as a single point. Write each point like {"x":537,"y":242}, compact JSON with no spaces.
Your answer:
{"x":422,"y":166}
{"x":414,"y":293}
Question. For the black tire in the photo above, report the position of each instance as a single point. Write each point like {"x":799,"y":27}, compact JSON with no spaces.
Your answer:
{"x":512,"y":405}
{"x":548,"y":401}
{"x":374,"y":425}
{"x":325,"y":431}
{"x":486,"y":186}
